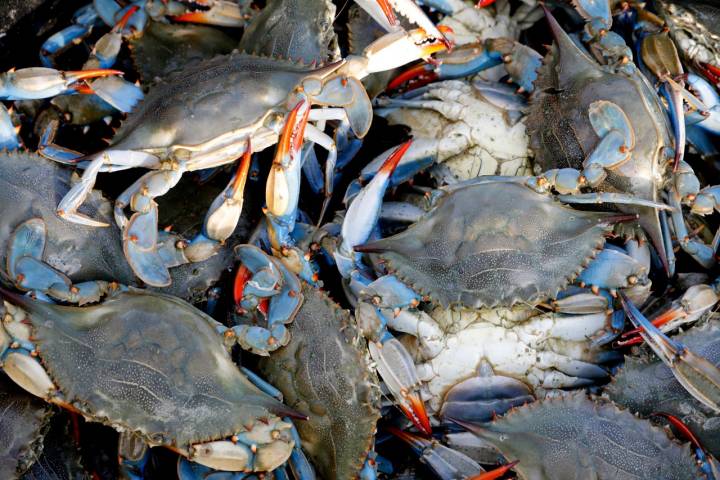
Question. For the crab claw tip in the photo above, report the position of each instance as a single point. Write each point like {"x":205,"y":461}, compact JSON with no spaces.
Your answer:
{"x":496,"y":472}
{"x":417,"y":414}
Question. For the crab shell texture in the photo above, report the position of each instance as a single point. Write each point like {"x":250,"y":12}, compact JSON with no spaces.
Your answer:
{"x":210,"y":99}
{"x":561,"y":134}
{"x":166,"y":48}
{"x":61,"y":457}
{"x":494,"y":244}
{"x":22,"y":424}
{"x":571,"y":437}
{"x":294,"y":30}
{"x":31,"y":187}
{"x":695,"y":25}
{"x":150,"y":364}
{"x":646,"y":385}
{"x":323,"y":373}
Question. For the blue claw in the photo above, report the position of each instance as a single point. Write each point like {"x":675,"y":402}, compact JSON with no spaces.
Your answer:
{"x":363,"y":213}
{"x":38,"y":82}
{"x":612,"y":270}
{"x":118,"y":92}
{"x":708,"y":119}
{"x":445,"y":462}
{"x":83,"y":22}
{"x":699,"y":377}
{"x":275,"y":281}
{"x":28,"y":240}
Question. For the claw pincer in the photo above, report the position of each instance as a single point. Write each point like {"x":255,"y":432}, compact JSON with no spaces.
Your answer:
{"x":700,"y":377}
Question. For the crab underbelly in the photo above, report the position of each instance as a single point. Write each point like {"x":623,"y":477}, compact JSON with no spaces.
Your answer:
{"x":466,"y":350}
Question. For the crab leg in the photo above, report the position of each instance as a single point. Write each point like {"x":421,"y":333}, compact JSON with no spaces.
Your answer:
{"x":221,"y":13}
{"x":521,"y":62}
{"x":447,"y":463}
{"x":364,"y":211}
{"x":699,"y":377}
{"x":699,"y":251}
{"x":661,"y":57}
{"x":694,"y":303}
{"x":83,"y":22}
{"x":38,"y":82}
{"x":397,"y":369}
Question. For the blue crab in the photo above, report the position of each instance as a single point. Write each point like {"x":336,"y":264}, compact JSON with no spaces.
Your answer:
{"x":200,"y":404}
{"x":323,"y":373}
{"x":646,"y":385}
{"x":42,"y":253}
{"x":477,"y":287}
{"x":145,"y":141}
{"x":575,"y":437}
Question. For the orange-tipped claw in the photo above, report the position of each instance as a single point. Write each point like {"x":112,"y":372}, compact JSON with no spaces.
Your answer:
{"x":125,"y":18}
{"x":293,"y":133}
{"x":417,"y":413}
{"x":243,"y":169}
{"x":392,"y":161}
{"x":191,"y":17}
{"x":75,"y":75}
{"x":83,"y":88}
{"x":659,"y":321}
{"x":387,"y":9}
{"x":495,"y":473}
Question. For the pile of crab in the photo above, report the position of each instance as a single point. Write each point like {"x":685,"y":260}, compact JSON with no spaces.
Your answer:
{"x":501,"y":261}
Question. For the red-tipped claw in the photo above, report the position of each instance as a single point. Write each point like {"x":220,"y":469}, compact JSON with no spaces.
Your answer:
{"x":422,"y":74}
{"x":119,"y":26}
{"x":76,"y":75}
{"x":417,"y":413}
{"x":484,"y":3}
{"x":495,"y":473}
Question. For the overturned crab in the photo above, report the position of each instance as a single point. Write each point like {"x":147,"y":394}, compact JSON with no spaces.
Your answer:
{"x":198,"y":404}
{"x":485,"y":270}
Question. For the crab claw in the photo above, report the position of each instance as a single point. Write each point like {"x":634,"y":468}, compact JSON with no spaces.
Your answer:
{"x":39,"y":82}
{"x":282,"y":189}
{"x":484,"y":3}
{"x":222,"y":13}
{"x":382,"y":12}
{"x":694,"y":303}
{"x":711,"y":72}
{"x":707,"y":463}
{"x":446,"y":462}
{"x":394,"y":50}
{"x":661,"y":57}
{"x":397,"y":370}
{"x":224,"y":213}
{"x":699,"y":377}
{"x":364,"y":211}
{"x":496,"y":472}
